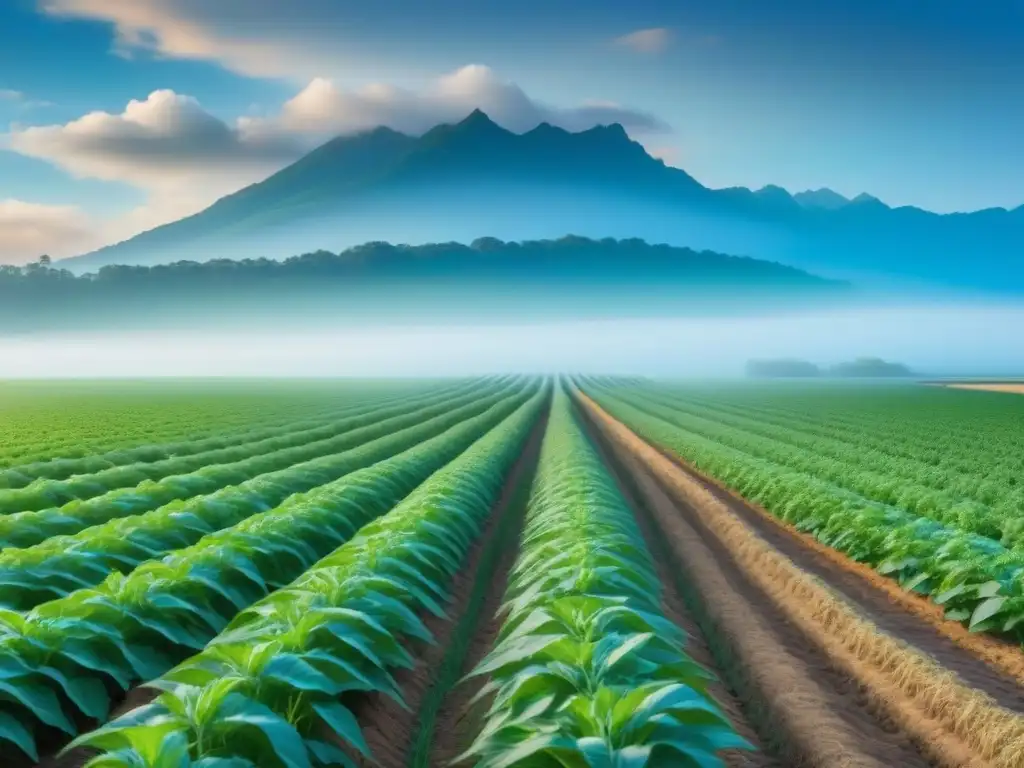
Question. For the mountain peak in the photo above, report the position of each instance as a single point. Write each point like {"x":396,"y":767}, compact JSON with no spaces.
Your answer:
{"x":824,"y":197}
{"x":612,"y":130}
{"x":774,"y":195}
{"x":478,"y":120}
{"x":864,"y":199}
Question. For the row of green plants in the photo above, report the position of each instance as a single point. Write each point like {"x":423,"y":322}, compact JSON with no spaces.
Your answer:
{"x":587,"y":672}
{"x":896,"y":448}
{"x":74,"y":420}
{"x":945,"y":427}
{"x":159,"y":482}
{"x":241,"y":484}
{"x":976,"y":580}
{"x":150,"y":458}
{"x":856,"y":470}
{"x":64,"y":564}
{"x":274,"y":688}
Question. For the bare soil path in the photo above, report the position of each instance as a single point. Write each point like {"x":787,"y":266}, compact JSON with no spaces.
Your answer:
{"x":805,"y":709}
{"x":1015,"y":389}
{"x":910,"y":691}
{"x":681,"y":607}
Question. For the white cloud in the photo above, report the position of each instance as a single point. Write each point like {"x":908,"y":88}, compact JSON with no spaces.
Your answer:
{"x":261,"y":38}
{"x":28,"y":230}
{"x":166,"y":142}
{"x":185,"y":158}
{"x":6,"y":94}
{"x":323,"y":109}
{"x":653,"y":40}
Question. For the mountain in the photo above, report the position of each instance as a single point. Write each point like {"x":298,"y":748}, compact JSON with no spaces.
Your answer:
{"x":486,"y":281}
{"x":821,"y":198}
{"x":473,"y":179}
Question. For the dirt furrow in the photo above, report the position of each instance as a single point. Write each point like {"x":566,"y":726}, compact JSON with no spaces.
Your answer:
{"x":678,"y":604}
{"x":399,"y":737}
{"x":991,"y":665}
{"x":456,"y":724}
{"x":955,"y":724}
{"x":807,"y":711}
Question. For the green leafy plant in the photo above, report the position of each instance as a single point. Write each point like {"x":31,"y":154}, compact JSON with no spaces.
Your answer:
{"x":252,"y":463}
{"x":338,"y":628}
{"x":134,"y":628}
{"x":62,"y":564}
{"x":587,"y":672}
{"x":812,"y":484}
{"x":44,"y":493}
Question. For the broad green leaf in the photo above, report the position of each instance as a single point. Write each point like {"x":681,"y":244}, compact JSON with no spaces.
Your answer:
{"x":40,"y":701}
{"x":340,"y":720}
{"x":86,"y":693}
{"x":986,"y":610}
{"x":285,"y":741}
{"x":13,"y":731}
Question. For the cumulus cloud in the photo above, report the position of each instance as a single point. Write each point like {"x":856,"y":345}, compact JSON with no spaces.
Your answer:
{"x":653,"y":40}
{"x":28,"y":230}
{"x":170,"y":143}
{"x":324,"y":109}
{"x":262,"y":38}
{"x":186,"y":158}
{"x":161,"y":142}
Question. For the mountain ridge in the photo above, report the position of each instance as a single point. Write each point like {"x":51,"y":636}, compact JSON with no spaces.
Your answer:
{"x":472,"y":178}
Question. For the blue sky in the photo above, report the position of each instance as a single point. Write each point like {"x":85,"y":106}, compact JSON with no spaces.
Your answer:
{"x":919,"y":103}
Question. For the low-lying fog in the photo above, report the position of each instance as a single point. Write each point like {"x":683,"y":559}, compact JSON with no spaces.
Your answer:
{"x":936,"y":340}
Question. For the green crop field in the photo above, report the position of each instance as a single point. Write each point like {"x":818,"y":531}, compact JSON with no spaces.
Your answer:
{"x":509,"y":572}
{"x":924,"y":484}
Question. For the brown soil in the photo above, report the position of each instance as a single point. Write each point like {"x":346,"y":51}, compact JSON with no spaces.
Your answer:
{"x":388,"y":727}
{"x":457,"y":724}
{"x":987,"y":663}
{"x":955,"y":724}
{"x":1017,"y":389}
{"x":676,"y":609}
{"x":807,"y":710}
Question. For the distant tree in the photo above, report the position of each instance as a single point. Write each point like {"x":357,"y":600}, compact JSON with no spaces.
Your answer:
{"x":589,"y":277}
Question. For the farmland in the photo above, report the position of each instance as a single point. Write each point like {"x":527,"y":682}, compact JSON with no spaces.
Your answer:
{"x":510,"y":572}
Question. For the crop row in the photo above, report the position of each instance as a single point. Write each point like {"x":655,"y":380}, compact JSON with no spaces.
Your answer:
{"x":944,"y":427}
{"x":975,"y":579}
{"x":163,"y":481}
{"x":78,"y":420}
{"x":587,"y":670}
{"x":258,"y":427}
{"x":885,"y":480}
{"x":981,"y":467}
{"x":68,"y":659}
{"x":181,"y":492}
{"x":269,"y":690}
{"x":62,"y":564}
